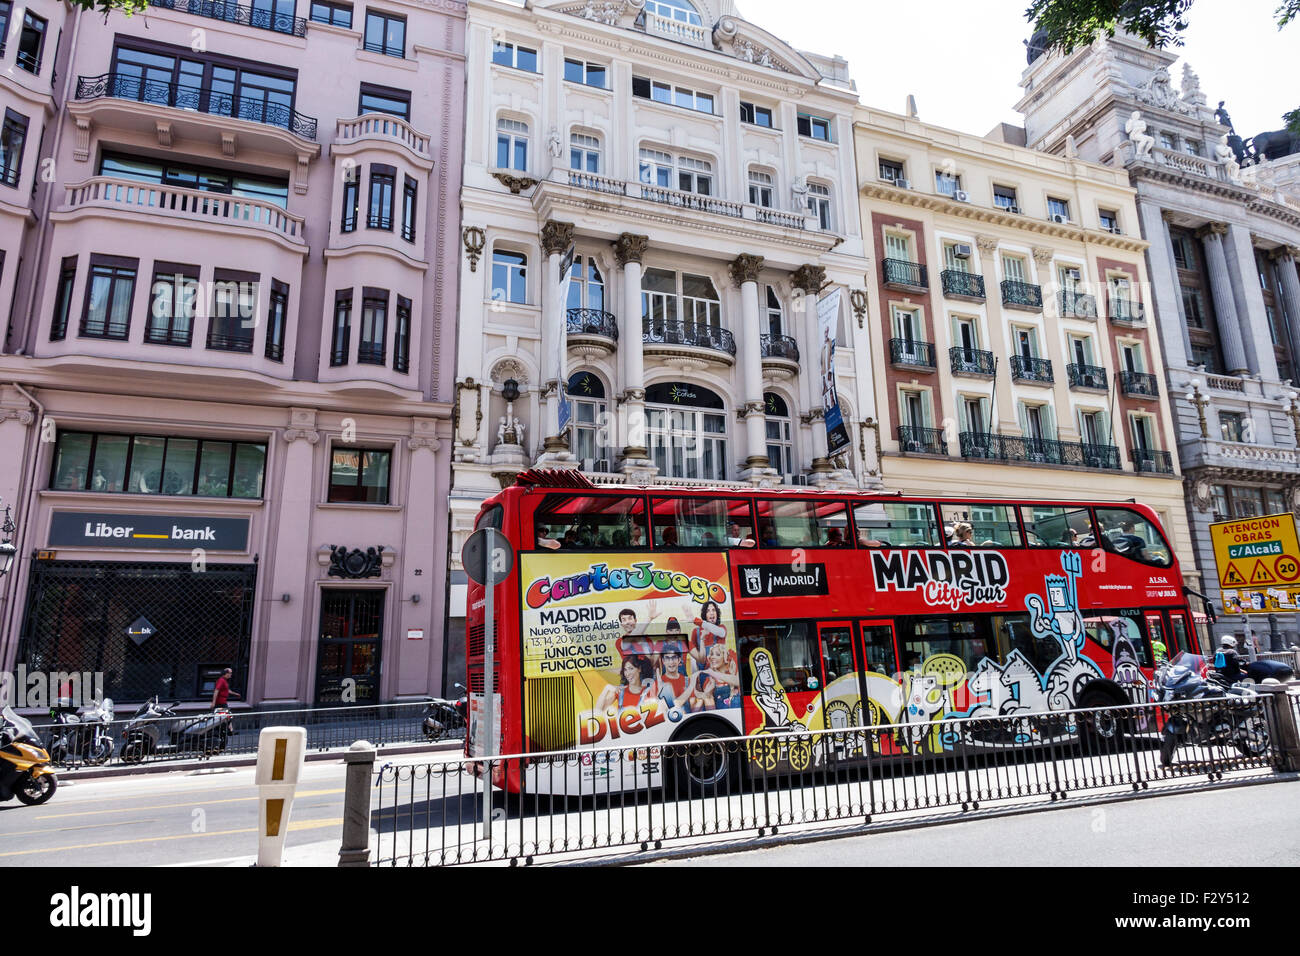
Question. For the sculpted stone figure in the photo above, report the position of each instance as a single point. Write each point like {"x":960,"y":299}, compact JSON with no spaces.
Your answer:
{"x":1136,"y":128}
{"x":1224,"y":154}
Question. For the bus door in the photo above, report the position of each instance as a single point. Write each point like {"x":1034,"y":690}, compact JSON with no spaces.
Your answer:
{"x":849,"y":667}
{"x":1181,"y":634}
{"x":1157,"y":633}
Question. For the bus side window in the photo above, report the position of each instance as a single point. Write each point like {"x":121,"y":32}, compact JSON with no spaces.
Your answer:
{"x":1050,"y":526}
{"x":896,"y":524}
{"x":793,"y":651}
{"x":702,"y":523}
{"x":992,"y":526}
{"x":878,"y":641}
{"x":591,"y":522}
{"x":802,"y":523}
{"x":1129,"y":533}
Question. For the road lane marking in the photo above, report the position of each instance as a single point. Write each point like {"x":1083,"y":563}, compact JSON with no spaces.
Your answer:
{"x":166,"y":806}
{"x":293,"y":826}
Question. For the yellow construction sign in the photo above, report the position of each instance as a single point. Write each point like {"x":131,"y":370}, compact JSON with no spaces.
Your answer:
{"x":1258,"y":562}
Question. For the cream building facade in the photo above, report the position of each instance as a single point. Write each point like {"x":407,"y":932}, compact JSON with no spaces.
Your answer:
{"x":1009,"y":312}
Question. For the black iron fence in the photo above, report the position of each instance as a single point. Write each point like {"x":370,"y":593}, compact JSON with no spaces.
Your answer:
{"x":1028,"y":368}
{"x":688,"y":332}
{"x":965,"y":284}
{"x":1127,"y":312}
{"x":431,"y":814}
{"x":918,"y":438}
{"x":1141,"y":384}
{"x":779,"y":346}
{"x":1087,"y":376}
{"x":912,"y":353}
{"x":1078,"y":305}
{"x":176,"y":737}
{"x":903,"y":272}
{"x":1153,"y":461}
{"x":1024,"y":295}
{"x":261,"y":18}
{"x":966,"y":361}
{"x":592,"y":322}
{"x":1043,"y":451}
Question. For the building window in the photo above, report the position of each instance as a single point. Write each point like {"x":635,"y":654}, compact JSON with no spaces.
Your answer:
{"x":1109,"y":220}
{"x":1168,"y":141}
{"x":683,"y":305}
{"x":816,"y":127}
{"x":819,"y":204}
{"x":173,"y":300}
{"x":584,"y":153}
{"x":154,"y":465}
{"x":351,"y":198}
{"x":402,"y":336}
{"x":234,"y":311}
{"x":686,"y":431}
{"x":191,"y":176}
{"x":512,"y":144}
{"x":63,"y":298}
{"x":590,"y":422}
{"x":1192,"y":147}
{"x":107,"y":312}
{"x":693,"y":175}
{"x":277,"y":320}
{"x":780,"y":444}
{"x":359,"y":475}
{"x":6,"y":9}
{"x":891,"y":171}
{"x":587,"y":285}
{"x":341,"y":336}
{"x":760,"y":188}
{"x":678,"y":10}
{"x":1058,"y":208}
{"x":12,"y":140}
{"x":588,"y":74}
{"x":1013,"y":269}
{"x":662,"y":92}
{"x":385,"y":33}
{"x":1004,"y":197}
{"x":775,"y":314}
{"x":1231,"y":426}
{"x":1183,"y":258}
{"x":379,"y":213}
{"x":755,"y":115}
{"x":31,"y":43}
{"x":509,"y":276}
{"x":409,"y":191}
{"x":946,"y":183}
{"x":381,"y":99}
{"x":335,"y":14}
{"x":516,"y":57}
{"x":372,"y":349}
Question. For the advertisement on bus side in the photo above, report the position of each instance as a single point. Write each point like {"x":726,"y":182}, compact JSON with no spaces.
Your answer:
{"x":639,"y":642}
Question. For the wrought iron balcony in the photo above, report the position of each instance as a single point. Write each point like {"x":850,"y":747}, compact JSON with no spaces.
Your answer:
{"x":592,"y":322}
{"x":1021,"y":295}
{"x":1027,"y":369}
{"x":1127,"y":312}
{"x":372,"y":353}
{"x":906,"y":274}
{"x":682,"y":332}
{"x":1087,"y":376}
{"x":196,"y":99}
{"x":966,"y":361}
{"x":917,"y":438}
{"x":1077,"y":305}
{"x":911,"y":353}
{"x":236,"y":13}
{"x":104,"y":330}
{"x":1045,"y":451}
{"x":223,"y":342}
{"x":779,"y":346}
{"x":962,"y":285}
{"x":1153,"y":462}
{"x":1139,"y":384}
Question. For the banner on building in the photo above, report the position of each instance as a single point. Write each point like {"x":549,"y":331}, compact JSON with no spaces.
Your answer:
{"x":828,"y":316}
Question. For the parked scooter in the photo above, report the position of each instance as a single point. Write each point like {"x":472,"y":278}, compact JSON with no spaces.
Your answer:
{"x":1217,"y":713}
{"x":444,"y":716}
{"x":156,"y":730}
{"x":82,"y":737}
{"x":25,"y":770}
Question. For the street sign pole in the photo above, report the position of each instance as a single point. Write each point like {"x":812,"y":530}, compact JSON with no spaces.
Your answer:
{"x":1249,"y":638}
{"x":489,"y":665}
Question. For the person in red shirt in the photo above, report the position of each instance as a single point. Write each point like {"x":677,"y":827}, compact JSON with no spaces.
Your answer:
{"x":222,"y":692}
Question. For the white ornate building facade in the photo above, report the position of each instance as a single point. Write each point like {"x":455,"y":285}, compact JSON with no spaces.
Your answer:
{"x":700,"y":172}
{"x":1224,"y":242}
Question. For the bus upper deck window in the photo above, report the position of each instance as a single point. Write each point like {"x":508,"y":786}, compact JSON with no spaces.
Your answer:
{"x":702,"y":523}
{"x":591,"y":522}
{"x":1127,"y":532}
{"x":1052,"y":526}
{"x":802,"y":523}
{"x":896,"y":524}
{"x":991,"y":526}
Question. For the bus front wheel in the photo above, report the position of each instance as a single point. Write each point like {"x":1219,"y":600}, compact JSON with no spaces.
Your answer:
{"x":1102,"y":730}
{"x":703,"y":762}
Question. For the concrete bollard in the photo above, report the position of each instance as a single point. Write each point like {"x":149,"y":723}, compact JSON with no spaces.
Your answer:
{"x":1287,"y":744}
{"x":355,"y":847}
{"x":280,"y":755}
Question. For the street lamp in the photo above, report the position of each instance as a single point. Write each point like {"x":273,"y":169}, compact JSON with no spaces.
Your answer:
{"x":7,"y":549}
{"x":510,"y":392}
{"x":1194,"y":397}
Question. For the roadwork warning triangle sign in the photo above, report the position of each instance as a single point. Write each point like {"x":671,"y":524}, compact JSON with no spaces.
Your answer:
{"x":1232,"y":577}
{"x":1261,"y":574}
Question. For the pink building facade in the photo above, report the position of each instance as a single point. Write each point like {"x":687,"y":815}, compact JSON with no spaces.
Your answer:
{"x":229,"y":264}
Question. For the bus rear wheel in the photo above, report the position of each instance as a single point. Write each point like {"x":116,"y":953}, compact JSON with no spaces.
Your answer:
{"x":1103,"y":730}
{"x":701,"y":763}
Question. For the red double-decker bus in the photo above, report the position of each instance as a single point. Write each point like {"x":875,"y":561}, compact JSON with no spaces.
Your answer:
{"x":639,"y":615}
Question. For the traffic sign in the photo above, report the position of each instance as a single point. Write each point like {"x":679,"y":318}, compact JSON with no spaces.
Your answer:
{"x":1258,"y":563}
{"x":475,"y":554}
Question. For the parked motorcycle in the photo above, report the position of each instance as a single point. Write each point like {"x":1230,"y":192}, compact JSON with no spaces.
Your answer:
{"x":84,"y":736}
{"x":1213,"y":712}
{"x":25,"y":770}
{"x":444,"y":716}
{"x":156,"y":730}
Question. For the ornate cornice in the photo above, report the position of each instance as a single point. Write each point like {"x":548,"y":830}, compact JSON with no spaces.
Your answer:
{"x":1043,"y":254}
{"x":1242,"y":194}
{"x":557,"y":237}
{"x":629,"y":247}
{"x":1285,"y":252}
{"x":986,"y":244}
{"x":809,"y":278}
{"x":1212,"y":229}
{"x":745,"y":268}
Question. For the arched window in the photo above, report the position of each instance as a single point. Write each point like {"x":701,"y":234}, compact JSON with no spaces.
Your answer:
{"x":819,"y":204}
{"x":584,"y":153}
{"x":687,"y":173}
{"x":775,"y":315}
{"x":679,"y":10}
{"x":509,"y":276}
{"x":686,"y":431}
{"x":590,"y":440}
{"x":512,"y":144}
{"x":780,"y":444}
{"x":760,"y":187}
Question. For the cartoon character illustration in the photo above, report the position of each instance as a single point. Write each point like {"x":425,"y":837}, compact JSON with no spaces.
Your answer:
{"x":925,"y":700}
{"x":1059,"y":617}
{"x":765,"y":747}
{"x":1012,"y":688}
{"x":768,"y":694}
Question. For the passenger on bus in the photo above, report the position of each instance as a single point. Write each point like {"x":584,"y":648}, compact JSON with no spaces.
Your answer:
{"x":708,"y":540}
{"x":669,"y":538}
{"x":1127,"y":541}
{"x":544,"y":540}
{"x":767,"y":534}
{"x":834,"y":538}
{"x":963,"y":535}
{"x":735,"y":539}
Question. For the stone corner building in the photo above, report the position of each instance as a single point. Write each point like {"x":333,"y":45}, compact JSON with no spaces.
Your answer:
{"x":1223,"y":225}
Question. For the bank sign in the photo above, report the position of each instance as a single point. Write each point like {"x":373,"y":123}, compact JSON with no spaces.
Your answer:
{"x":91,"y":529}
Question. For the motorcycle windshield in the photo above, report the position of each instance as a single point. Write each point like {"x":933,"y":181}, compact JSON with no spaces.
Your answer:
{"x":21,"y":724}
{"x":1193,"y":662}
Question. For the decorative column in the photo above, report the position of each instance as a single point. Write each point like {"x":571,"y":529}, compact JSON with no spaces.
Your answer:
{"x":1225,"y":307}
{"x":415,"y":665}
{"x":809,"y":279}
{"x":744,"y":273}
{"x":629,"y":249}
{"x":557,"y":237}
{"x":1170,"y":266}
{"x":1285,"y":257}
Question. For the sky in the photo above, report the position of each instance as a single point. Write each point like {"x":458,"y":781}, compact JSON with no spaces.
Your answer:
{"x":963,"y":59}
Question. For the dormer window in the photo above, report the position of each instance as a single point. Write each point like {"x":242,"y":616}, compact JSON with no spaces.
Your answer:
{"x":678,"y":10}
